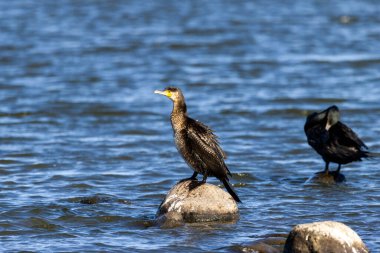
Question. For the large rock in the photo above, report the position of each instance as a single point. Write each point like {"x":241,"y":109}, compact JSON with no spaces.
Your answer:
{"x":192,"y":201}
{"x":324,"y":237}
{"x":332,"y":177}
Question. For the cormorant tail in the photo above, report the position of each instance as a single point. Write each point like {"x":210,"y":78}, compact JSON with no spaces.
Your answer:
{"x":230,"y":190}
{"x":366,"y":154}
{"x":372,"y":155}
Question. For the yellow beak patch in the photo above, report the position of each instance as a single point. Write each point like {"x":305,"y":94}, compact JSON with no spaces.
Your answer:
{"x":167,"y":93}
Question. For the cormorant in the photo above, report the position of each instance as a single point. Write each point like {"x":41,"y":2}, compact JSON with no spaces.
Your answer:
{"x":196,"y":143}
{"x":332,"y":139}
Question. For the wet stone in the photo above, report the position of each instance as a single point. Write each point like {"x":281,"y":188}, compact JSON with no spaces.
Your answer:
{"x":332,"y":177}
{"x":261,"y":247}
{"x":170,"y":220}
{"x":192,"y":201}
{"x":273,"y":243}
{"x":321,"y":237}
{"x":91,"y":200}
{"x":99,"y":198}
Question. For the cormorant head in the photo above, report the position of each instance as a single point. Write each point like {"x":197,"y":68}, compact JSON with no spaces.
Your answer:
{"x":314,"y":119}
{"x":175,"y":94}
{"x":332,"y":116}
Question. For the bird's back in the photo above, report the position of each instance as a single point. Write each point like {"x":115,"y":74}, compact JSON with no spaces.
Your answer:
{"x":346,"y":136}
{"x":199,"y":147}
{"x":344,"y":145}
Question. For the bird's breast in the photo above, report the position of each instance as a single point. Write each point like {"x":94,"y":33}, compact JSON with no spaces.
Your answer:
{"x":179,"y":140}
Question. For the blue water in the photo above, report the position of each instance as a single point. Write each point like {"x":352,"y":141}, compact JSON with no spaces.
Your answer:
{"x":79,"y":120}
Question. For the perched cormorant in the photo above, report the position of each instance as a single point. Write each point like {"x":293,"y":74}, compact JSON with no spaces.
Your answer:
{"x":196,"y":143}
{"x":332,"y":139}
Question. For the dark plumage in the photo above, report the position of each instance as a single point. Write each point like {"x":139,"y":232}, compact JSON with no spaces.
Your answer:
{"x":196,"y":143}
{"x":332,"y":139}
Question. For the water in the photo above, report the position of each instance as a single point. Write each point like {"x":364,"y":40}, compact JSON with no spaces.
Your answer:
{"x":79,"y":119}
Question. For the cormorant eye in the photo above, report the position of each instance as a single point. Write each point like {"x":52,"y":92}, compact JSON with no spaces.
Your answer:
{"x":168,"y":93}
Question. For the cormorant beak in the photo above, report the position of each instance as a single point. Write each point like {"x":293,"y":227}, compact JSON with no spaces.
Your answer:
{"x":165,"y":93}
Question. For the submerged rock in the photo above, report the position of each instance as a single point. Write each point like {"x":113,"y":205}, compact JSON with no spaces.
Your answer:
{"x":332,"y":178}
{"x":321,"y":237}
{"x":260,"y":247}
{"x":270,"y":244}
{"x":97,"y":199}
{"x":170,"y":220}
{"x":193,"y":201}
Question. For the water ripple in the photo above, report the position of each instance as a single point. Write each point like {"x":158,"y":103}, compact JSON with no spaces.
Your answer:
{"x":87,"y":148}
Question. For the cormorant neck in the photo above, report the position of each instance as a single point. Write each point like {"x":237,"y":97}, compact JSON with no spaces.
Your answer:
{"x":179,"y":107}
{"x":179,"y":114}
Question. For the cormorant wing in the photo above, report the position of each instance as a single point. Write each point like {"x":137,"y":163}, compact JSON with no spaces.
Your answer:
{"x":346,"y":136}
{"x":205,"y":145}
{"x":317,"y":137}
{"x":206,"y":136}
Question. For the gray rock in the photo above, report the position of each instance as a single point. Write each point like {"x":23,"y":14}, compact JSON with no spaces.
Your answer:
{"x":324,"y":237}
{"x":170,"y":220}
{"x":331,"y":178}
{"x":192,"y":201}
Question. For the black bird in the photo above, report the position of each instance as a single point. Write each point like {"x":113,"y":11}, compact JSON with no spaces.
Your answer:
{"x":332,"y":139}
{"x":196,"y":143}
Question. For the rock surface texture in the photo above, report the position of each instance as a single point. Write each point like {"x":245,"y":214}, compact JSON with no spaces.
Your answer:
{"x":331,"y":178}
{"x":193,"y":201}
{"x":324,"y":237}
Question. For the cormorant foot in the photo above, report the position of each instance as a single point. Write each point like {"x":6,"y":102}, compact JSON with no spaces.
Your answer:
{"x":192,"y":178}
{"x":204,"y":179}
{"x":188,"y":179}
{"x":338,"y":169}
